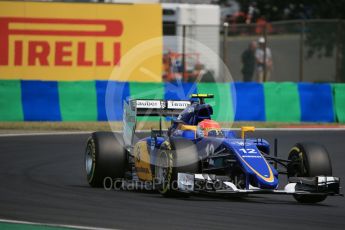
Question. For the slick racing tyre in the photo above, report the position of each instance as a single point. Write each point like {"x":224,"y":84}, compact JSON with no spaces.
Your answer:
{"x":178,"y":156}
{"x":104,"y":157}
{"x":309,"y":160}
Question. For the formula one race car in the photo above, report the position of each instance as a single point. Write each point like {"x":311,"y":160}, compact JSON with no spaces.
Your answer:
{"x":195,"y":155}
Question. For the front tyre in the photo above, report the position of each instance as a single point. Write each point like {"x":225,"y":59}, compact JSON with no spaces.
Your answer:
{"x":309,"y":160}
{"x":105,"y":157}
{"x":180,"y":156}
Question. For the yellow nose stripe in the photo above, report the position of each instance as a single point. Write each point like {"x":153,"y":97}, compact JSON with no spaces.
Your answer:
{"x":267,"y":179}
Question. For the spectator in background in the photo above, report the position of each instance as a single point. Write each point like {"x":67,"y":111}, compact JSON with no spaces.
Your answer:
{"x":248,"y":62}
{"x":252,"y":10}
{"x":261,"y":64}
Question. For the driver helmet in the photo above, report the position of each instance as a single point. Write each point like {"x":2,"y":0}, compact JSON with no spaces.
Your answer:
{"x":209,"y":127}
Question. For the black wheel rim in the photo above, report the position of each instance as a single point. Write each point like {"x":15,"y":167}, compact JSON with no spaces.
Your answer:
{"x":161,"y":172}
{"x":89,"y":162}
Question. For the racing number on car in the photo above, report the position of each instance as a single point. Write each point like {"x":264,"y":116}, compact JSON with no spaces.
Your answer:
{"x":252,"y":151}
{"x":209,"y":149}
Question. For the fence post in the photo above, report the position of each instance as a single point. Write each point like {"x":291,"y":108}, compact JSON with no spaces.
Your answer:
{"x":183,"y":52}
{"x":225,"y":48}
{"x":301,"y":52}
{"x":265,"y":54}
{"x":338,"y":52}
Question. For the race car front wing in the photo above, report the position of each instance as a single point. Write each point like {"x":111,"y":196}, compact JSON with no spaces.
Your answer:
{"x":210,"y":183}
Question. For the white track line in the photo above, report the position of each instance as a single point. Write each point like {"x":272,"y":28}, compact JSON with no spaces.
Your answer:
{"x":44,"y":134}
{"x":52,"y":225}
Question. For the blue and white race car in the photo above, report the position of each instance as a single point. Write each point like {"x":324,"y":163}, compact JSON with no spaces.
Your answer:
{"x":195,"y":155}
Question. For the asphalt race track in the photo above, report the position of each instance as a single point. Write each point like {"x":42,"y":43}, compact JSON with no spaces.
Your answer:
{"x":42,"y":180}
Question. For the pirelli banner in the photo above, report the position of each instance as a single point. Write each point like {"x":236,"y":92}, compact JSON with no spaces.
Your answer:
{"x":78,"y":41}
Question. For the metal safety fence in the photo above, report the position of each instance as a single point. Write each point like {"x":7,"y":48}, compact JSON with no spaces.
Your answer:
{"x":300,"y":51}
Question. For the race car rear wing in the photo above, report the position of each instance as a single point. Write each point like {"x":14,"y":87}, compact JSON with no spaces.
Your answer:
{"x":148,"y":107}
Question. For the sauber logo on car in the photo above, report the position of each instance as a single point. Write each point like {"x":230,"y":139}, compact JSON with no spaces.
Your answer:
{"x":161,"y":104}
{"x":149,"y":104}
{"x":38,"y":51}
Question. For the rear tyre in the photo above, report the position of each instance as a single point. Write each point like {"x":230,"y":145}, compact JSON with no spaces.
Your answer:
{"x":309,"y":160}
{"x":178,"y":156}
{"x":105,"y":157}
